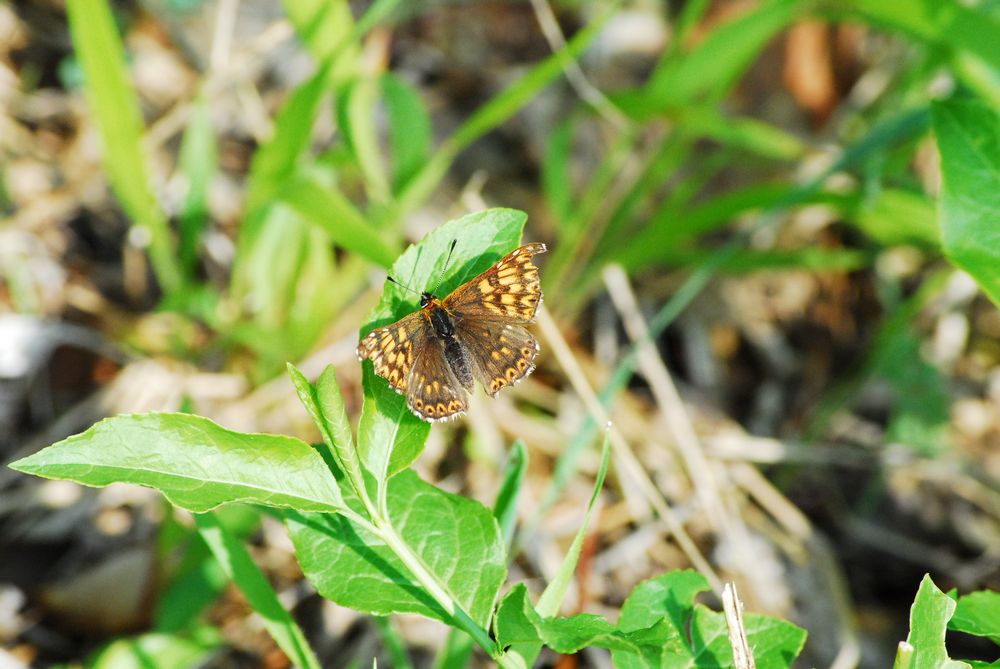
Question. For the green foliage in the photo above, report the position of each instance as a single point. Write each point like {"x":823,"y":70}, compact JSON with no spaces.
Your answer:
{"x":968,"y":135}
{"x":924,"y":647}
{"x":456,"y":538}
{"x":116,"y":110}
{"x":660,"y":626}
{"x":978,"y":613}
{"x":157,"y":650}
{"x":195,"y":463}
{"x":369,"y":533}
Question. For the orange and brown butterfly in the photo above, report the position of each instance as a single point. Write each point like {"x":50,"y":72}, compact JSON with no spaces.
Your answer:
{"x":476,"y":332}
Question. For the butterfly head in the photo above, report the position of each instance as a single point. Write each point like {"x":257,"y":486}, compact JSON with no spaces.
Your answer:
{"x":426,"y":298}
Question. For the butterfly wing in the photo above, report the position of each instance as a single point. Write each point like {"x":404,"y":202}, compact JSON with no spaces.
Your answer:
{"x":391,"y":349}
{"x":509,"y":291}
{"x":501,"y":353}
{"x":433,"y":391}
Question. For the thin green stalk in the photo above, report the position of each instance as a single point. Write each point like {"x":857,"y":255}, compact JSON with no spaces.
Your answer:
{"x":385,"y":531}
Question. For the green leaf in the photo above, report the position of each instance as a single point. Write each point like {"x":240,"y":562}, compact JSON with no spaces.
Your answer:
{"x":241,"y":569}
{"x":929,"y":617}
{"x":197,"y":163}
{"x":409,"y":129}
{"x":696,"y":636}
{"x":156,"y":650}
{"x":327,"y":208}
{"x":669,"y":596}
{"x":276,"y":160}
{"x":557,"y":182}
{"x":968,"y":135}
{"x":195,"y":463}
{"x":505,"y":506}
{"x":899,"y":217}
{"x":390,"y":437}
{"x":356,"y":119}
{"x":978,"y":613}
{"x":327,"y":29}
{"x":456,"y":538}
{"x":326,"y":406}
{"x":714,"y":65}
{"x":967,"y":32}
{"x":116,"y":108}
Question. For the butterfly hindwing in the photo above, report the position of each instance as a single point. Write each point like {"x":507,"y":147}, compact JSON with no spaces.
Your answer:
{"x":509,"y":291}
{"x":433,"y":390}
{"x":391,"y":349}
{"x":501,"y":353}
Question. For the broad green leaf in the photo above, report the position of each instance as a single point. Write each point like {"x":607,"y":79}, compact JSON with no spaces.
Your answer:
{"x":697,"y":636}
{"x":235,"y":560}
{"x":968,"y":136}
{"x":978,"y":613}
{"x":669,"y":596}
{"x":457,"y":539}
{"x":522,"y":632}
{"x":552,"y":597}
{"x":195,"y":463}
{"x":929,"y":617}
{"x":157,"y":650}
{"x":458,"y":647}
{"x":409,"y":129}
{"x":390,"y":437}
{"x":116,"y":110}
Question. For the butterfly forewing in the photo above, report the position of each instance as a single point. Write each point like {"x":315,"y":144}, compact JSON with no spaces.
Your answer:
{"x":509,"y":291}
{"x":391,"y":348}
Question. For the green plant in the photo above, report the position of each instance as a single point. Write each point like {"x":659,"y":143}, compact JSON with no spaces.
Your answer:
{"x":934,"y":612}
{"x":371,"y":535}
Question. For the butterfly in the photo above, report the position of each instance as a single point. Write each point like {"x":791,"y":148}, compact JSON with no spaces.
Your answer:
{"x":476,"y":332}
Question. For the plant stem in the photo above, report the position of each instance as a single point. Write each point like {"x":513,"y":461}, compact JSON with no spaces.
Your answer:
{"x":437,"y":590}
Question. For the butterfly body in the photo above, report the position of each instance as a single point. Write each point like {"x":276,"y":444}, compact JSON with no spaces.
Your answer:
{"x":434,"y":355}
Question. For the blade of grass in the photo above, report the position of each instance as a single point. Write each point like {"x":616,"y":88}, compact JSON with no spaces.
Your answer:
{"x":236,"y":561}
{"x":393,"y":642}
{"x":198,"y":158}
{"x":498,"y":110}
{"x":904,"y":125}
{"x":329,"y":209}
{"x":554,"y":593}
{"x":116,"y":110}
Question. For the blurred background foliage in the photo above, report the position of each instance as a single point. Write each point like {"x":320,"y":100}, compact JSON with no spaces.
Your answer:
{"x":196,"y":191}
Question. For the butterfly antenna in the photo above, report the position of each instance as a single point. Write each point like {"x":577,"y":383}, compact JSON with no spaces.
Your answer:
{"x":391,"y":280}
{"x":447,"y":262}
